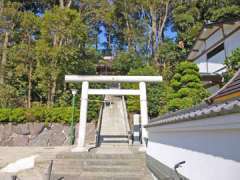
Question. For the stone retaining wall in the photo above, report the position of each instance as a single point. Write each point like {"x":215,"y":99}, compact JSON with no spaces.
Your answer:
{"x":38,"y":134}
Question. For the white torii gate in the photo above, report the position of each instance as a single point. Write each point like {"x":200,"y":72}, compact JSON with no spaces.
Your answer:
{"x":103,"y":79}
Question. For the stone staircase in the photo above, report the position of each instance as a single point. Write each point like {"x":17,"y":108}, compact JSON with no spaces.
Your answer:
{"x":115,"y":159}
{"x":105,"y":163}
{"x":113,"y":126}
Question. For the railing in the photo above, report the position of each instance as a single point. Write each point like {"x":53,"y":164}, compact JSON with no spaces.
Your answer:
{"x":98,"y":129}
{"x":126,"y":122}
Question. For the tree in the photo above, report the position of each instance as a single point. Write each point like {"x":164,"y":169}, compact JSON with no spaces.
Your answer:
{"x":154,"y":92}
{"x":233,"y":64}
{"x":94,"y":13}
{"x":8,"y":19}
{"x":168,"y":57}
{"x":186,"y":87}
{"x":125,"y":61}
{"x":63,"y":37}
{"x":22,"y":56}
{"x":8,"y":97}
{"x":187,"y":22}
{"x":158,"y":13}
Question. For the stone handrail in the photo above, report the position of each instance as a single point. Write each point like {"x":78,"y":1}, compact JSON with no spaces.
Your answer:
{"x":126,"y":122}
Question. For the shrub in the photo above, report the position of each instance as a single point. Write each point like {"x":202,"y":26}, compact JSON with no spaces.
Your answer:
{"x":187,"y":88}
{"x":4,"y":114}
{"x":38,"y":114}
{"x":233,"y":64}
{"x":8,"y":96}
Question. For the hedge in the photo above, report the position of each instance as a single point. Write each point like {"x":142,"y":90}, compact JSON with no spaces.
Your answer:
{"x":38,"y":114}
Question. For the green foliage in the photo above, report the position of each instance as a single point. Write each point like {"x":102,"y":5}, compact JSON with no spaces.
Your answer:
{"x":61,"y":50}
{"x":187,"y":89}
{"x":37,"y":114}
{"x":125,"y":61}
{"x":228,"y":12}
{"x":94,"y":106}
{"x":154,"y":92}
{"x":8,"y":97}
{"x":233,"y":64}
{"x":168,"y":56}
{"x":187,"y":21}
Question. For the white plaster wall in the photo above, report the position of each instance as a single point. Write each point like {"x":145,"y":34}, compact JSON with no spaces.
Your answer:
{"x":232,"y":42}
{"x":202,"y":63}
{"x":218,"y":35}
{"x":210,"y":147}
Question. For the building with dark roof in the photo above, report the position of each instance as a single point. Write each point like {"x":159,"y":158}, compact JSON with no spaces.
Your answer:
{"x":215,"y":42}
{"x":204,"y":137}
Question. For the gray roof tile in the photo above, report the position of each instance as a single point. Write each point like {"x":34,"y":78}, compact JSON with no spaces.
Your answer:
{"x":197,"y":112}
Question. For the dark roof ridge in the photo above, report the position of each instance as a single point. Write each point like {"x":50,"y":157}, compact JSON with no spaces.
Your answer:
{"x":210,"y":99}
{"x":200,"y":112}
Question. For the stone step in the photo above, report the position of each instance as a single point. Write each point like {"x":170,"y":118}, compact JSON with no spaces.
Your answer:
{"x":76,"y":155}
{"x":91,"y":162}
{"x":112,"y":173}
{"x":97,"y":169}
{"x":114,"y":140}
{"x":100,"y":177}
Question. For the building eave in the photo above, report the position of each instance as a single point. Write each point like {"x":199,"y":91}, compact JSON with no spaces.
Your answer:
{"x":208,"y":30}
{"x":197,"y":113}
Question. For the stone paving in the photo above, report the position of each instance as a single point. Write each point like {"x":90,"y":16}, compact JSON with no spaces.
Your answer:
{"x":12,"y":154}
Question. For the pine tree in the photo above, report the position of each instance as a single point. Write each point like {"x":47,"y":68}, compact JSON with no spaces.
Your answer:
{"x":186,"y":87}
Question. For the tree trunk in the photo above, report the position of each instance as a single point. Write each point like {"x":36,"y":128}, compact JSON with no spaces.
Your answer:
{"x":53,"y":92}
{"x":1,"y":7}
{"x":154,"y":29}
{"x":129,"y":39}
{"x":69,"y":3}
{"x":162,"y":26}
{"x":109,"y":40}
{"x":4,"y":58}
{"x":30,"y":86}
{"x":61,"y":3}
{"x":96,"y":41}
{"x":49,"y":94}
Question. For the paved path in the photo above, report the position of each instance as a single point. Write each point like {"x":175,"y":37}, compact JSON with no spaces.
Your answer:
{"x":113,"y":128}
{"x":10,"y":155}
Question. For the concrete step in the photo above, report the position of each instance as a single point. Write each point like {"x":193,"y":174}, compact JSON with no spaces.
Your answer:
{"x":100,"y":177}
{"x":76,"y":155}
{"x":102,"y":172}
{"x":98,"y":169}
{"x":91,"y":162}
{"x":114,"y":139}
